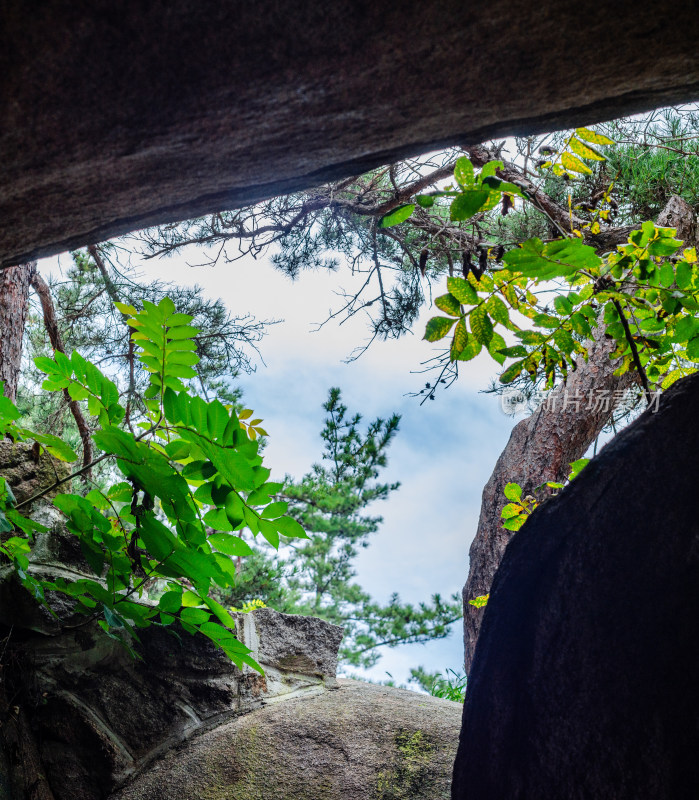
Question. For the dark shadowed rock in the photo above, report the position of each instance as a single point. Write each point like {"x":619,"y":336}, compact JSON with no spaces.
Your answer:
{"x":361,"y":742}
{"x":100,"y":717}
{"x":116,"y":116}
{"x":584,"y":683}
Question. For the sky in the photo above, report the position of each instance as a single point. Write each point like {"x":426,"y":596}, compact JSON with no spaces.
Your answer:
{"x":442,"y":456}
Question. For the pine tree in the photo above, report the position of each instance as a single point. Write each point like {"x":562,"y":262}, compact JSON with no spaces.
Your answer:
{"x":316,"y":576}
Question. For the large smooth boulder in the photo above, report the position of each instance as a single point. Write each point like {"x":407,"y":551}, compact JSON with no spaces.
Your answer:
{"x":584,"y":682}
{"x":118,"y":114}
{"x":360,"y":742}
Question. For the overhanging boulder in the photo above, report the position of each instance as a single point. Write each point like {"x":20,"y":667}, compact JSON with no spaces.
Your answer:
{"x":584,"y":682}
{"x":116,"y":116}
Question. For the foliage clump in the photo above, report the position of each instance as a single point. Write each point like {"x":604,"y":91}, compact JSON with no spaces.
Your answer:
{"x":178,"y":492}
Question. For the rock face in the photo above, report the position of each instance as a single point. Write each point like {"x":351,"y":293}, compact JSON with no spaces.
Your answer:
{"x":361,"y":742}
{"x":28,"y":471}
{"x":99,"y":717}
{"x":119,"y":116}
{"x":584,"y":683}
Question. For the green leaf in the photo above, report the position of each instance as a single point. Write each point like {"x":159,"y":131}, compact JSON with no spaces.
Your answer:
{"x":290,"y":528}
{"x":489,"y":169}
{"x":56,"y":447}
{"x":557,"y":259}
{"x":481,"y":326}
{"x":467,"y":204}
{"x":497,"y":343}
{"x":683,"y":276}
{"x":516,"y":351}
{"x":511,"y":510}
{"x":546,"y":321}
{"x":437,"y":328}
{"x":194,"y":616}
{"x":693,"y":349}
{"x":515,"y":523}
{"x":158,"y":538}
{"x":652,"y":325}
{"x":449,"y":304}
{"x":269,"y":530}
{"x":472,"y":349}
{"x":130,"y":311}
{"x":170,"y":602}
{"x":667,"y":274}
{"x":218,"y":520}
{"x":463,"y":172}
{"x":513,"y":491}
{"x":564,"y":340}
{"x":562,"y":305}
{"x":459,"y":341}
{"x":512,"y":372}
{"x":397,"y":216}
{"x":425,"y":200}
{"x":5,"y":526}
{"x":498,"y":310}
{"x":223,"y":615}
{"x":462,"y":290}
{"x":577,"y":467}
{"x":230,"y":545}
{"x":275,"y":510}
{"x":685,"y":329}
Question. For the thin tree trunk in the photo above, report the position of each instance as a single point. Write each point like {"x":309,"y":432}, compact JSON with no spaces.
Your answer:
{"x":542,"y":446}
{"x":51,"y":324}
{"x":14,"y":303}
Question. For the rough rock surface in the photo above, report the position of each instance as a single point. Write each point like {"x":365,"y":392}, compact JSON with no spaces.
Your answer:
{"x":99,"y":717}
{"x":28,"y":470}
{"x":116,"y":116}
{"x":361,"y":742}
{"x":584,"y":682}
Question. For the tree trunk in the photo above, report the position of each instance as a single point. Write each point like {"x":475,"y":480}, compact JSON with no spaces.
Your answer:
{"x":540,"y":449}
{"x":14,"y":296}
{"x":51,"y":324}
{"x":542,"y":446}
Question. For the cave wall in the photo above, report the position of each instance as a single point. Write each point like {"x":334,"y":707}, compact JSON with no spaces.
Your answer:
{"x":118,"y":114}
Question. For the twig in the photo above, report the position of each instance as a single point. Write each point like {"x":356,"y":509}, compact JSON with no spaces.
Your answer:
{"x":634,"y":352}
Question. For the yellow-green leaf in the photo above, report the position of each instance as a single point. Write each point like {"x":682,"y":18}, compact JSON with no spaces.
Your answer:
{"x":481,"y":325}
{"x":511,"y":510}
{"x":498,"y":310}
{"x":463,"y":171}
{"x":459,"y":342}
{"x":574,"y":164}
{"x":437,"y":328}
{"x":584,"y":150}
{"x":592,"y":136}
{"x":448,"y":304}
{"x":462,"y":291}
{"x":497,"y":343}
